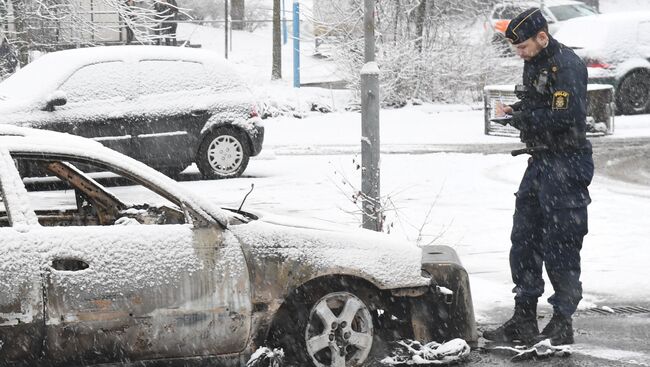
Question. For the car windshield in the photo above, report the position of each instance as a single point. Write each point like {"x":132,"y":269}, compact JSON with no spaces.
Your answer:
{"x":36,"y":76}
{"x":565,"y":12}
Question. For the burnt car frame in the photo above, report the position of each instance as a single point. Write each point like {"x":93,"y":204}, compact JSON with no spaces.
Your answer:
{"x":165,"y":106}
{"x":105,"y":280}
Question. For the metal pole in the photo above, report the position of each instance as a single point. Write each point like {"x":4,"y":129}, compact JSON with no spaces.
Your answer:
{"x":370,"y":144}
{"x":225,"y":31}
{"x":296,"y":44}
{"x":285,"y":31}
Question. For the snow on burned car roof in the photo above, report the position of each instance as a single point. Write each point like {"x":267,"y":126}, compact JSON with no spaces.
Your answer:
{"x":27,"y":140}
{"x":8,"y":131}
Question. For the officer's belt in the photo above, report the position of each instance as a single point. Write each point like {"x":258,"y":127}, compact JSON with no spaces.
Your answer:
{"x":560,"y":144}
{"x":530,"y":150}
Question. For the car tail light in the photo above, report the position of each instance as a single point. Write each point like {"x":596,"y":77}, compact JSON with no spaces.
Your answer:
{"x":253,"y":112}
{"x":502,"y":25}
{"x":598,"y":64}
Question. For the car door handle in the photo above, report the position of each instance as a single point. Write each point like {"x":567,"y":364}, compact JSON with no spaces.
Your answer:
{"x":197,"y":113}
{"x":69,"y":264}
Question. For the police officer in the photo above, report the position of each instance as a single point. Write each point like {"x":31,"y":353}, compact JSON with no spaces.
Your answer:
{"x":550,"y":217}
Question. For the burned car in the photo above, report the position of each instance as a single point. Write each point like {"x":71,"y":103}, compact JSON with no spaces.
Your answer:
{"x":145,"y":271}
{"x":165,"y":106}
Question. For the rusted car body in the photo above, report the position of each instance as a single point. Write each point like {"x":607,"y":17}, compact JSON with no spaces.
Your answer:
{"x":103,"y":280}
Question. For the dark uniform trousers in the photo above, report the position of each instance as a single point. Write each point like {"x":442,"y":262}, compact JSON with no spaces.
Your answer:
{"x":550,"y":219}
{"x":549,"y":224}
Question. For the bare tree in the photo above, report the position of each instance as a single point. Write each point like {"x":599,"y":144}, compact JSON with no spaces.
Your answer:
{"x":427,"y":50}
{"x":48,"y":25}
{"x":238,"y":14}
{"x":276,"y":72}
{"x":421,"y":13}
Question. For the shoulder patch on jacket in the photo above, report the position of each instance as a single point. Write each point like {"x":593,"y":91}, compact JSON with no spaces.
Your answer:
{"x":561,"y":100}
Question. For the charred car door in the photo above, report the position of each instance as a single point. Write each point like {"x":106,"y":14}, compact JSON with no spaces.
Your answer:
{"x":133,"y":282}
{"x":170,"y":94}
{"x":21,"y":292}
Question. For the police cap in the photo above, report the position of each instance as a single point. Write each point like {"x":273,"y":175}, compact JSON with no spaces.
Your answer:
{"x":525,"y":25}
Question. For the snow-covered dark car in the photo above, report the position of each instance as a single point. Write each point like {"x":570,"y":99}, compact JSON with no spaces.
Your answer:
{"x":150,"y":272}
{"x":165,"y":106}
{"x":616,"y":49}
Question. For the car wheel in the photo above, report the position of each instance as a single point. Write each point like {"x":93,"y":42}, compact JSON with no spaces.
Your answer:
{"x":224,"y":153}
{"x":634,"y":93}
{"x":335,"y":330}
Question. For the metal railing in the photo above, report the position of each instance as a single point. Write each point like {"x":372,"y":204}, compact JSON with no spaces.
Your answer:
{"x":600,"y":109}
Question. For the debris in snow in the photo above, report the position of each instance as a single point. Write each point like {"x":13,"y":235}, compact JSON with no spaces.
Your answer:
{"x":414,"y":353}
{"x":608,"y":309}
{"x":445,"y":291}
{"x":126,"y":221}
{"x":265,"y":357}
{"x":321,"y":107}
{"x":543,"y":349}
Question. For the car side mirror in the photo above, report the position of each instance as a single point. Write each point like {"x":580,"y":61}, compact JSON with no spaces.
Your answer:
{"x":55,"y":99}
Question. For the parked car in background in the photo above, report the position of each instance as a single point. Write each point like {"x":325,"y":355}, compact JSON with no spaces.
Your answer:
{"x":556,"y":13}
{"x":616,"y":49}
{"x":165,"y":106}
{"x":92,"y":275}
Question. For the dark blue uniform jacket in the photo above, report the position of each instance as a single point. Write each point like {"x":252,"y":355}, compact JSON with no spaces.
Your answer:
{"x":554,"y":110}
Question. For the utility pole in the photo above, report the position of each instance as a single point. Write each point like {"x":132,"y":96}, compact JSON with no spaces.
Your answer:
{"x":370,"y":175}
{"x":225,"y":26}
{"x":296,"y":44}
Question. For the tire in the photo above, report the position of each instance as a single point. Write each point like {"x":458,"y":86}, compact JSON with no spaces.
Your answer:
{"x":223,"y":153}
{"x":326,"y":328}
{"x":633,"y":95}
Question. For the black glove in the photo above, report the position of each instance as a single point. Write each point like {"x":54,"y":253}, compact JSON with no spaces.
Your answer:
{"x":503,"y":121}
{"x":518,"y":119}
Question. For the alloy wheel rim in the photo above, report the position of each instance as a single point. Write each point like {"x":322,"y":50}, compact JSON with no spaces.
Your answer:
{"x":339,"y":332}
{"x":225,"y":154}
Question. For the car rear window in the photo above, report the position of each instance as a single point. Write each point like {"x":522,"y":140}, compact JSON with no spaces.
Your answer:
{"x":565,"y":12}
{"x":643,"y":35}
{"x":582,"y":34}
{"x":165,"y":76}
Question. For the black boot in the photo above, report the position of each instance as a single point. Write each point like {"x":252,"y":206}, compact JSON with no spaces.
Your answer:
{"x":559,"y":330}
{"x":522,"y":326}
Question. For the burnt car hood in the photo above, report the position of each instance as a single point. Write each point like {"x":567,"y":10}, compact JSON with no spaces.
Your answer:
{"x":312,"y":248}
